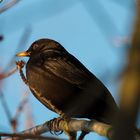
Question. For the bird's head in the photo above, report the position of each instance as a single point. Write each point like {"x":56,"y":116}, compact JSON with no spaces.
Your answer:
{"x":40,"y":46}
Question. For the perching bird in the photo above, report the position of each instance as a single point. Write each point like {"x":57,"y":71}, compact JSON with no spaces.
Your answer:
{"x":61,"y":78}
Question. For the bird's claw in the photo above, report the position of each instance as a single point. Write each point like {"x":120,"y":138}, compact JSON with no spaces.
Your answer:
{"x":20,"y":64}
{"x":54,"y":126}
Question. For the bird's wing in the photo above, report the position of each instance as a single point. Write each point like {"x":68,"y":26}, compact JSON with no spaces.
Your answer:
{"x":67,"y":67}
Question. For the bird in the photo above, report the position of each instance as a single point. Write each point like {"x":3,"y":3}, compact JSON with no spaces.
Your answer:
{"x":61,"y":78}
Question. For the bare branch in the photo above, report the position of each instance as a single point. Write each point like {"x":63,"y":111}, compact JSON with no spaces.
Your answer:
{"x":8,"y":5}
{"x":73,"y":125}
{"x":21,"y":105}
{"x":16,"y":136}
{"x":6,"y":108}
{"x":7,"y":74}
{"x":21,"y":45}
{"x":28,"y":116}
{"x":130,"y":88}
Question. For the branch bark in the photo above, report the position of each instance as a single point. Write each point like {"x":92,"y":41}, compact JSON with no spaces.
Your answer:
{"x":73,"y":125}
{"x":7,"y":74}
{"x":16,"y":136}
{"x":130,"y":88}
{"x":8,"y":5}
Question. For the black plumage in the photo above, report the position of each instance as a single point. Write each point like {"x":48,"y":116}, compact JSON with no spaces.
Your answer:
{"x":61,"y":78}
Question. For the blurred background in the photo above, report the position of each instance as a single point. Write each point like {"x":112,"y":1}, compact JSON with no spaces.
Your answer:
{"x":97,"y":32}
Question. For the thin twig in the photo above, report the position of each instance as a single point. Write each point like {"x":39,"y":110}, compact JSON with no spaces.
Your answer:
{"x":7,"y":74}
{"x":16,"y":136}
{"x":28,"y":116}
{"x":21,"y":106}
{"x":19,"y":109}
{"x":6,"y":108}
{"x":21,"y":45}
{"x":8,"y":5}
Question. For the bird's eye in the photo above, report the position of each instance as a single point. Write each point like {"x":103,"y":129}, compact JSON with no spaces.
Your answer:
{"x":35,"y":46}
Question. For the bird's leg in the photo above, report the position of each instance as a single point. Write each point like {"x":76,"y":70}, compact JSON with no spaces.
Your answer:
{"x":54,"y":125}
{"x":71,"y":135}
{"x":82,"y":135}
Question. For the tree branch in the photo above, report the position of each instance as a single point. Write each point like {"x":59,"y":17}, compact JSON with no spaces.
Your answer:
{"x":16,"y":136}
{"x":8,"y":5}
{"x":130,"y":88}
{"x":7,"y":74}
{"x":73,"y":125}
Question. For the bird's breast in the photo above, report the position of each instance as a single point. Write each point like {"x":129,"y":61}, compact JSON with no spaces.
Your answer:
{"x":50,"y":87}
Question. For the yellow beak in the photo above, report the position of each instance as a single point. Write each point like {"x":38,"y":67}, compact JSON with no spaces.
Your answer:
{"x":23,"y":54}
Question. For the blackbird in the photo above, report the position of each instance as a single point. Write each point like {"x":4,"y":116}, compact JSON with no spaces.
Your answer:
{"x":62,"y":79}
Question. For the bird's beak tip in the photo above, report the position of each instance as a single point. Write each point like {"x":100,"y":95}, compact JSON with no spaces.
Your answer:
{"x":23,"y":54}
